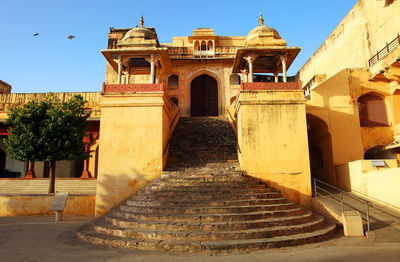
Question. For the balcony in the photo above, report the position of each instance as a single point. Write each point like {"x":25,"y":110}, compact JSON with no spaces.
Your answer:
{"x":266,"y":86}
{"x":132,"y":88}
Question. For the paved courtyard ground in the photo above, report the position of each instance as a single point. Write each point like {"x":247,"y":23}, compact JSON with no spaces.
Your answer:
{"x":41,"y":239}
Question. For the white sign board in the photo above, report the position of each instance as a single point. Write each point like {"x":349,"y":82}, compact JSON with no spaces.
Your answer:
{"x":59,"y":201}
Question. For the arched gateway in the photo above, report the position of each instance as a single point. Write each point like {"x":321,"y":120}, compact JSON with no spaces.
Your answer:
{"x":204,"y":96}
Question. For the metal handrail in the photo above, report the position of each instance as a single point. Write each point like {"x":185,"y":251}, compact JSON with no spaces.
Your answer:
{"x":384,"y":51}
{"x":342,"y":200}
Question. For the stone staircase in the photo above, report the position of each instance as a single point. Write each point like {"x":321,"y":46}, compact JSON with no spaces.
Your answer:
{"x":203,"y":202}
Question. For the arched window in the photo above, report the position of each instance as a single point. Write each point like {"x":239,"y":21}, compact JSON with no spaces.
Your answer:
{"x":196,"y":46}
{"x":210,"y":45}
{"x":372,"y":110}
{"x":203,"y":46}
{"x":234,"y":79}
{"x":174,"y":100}
{"x":173,"y":81}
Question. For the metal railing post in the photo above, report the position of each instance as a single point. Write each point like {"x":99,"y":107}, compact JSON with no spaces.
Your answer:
{"x":315,"y":188}
{"x":342,"y":203}
{"x":367,"y":205}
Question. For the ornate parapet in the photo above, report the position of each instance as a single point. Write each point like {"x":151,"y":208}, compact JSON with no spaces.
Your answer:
{"x":132,"y":88}
{"x":271,"y":86}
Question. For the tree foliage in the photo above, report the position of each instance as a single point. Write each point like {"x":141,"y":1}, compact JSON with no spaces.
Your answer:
{"x":48,"y":130}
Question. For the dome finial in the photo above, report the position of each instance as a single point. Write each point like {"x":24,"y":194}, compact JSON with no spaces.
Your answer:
{"x":141,"y":21}
{"x":261,"y":20}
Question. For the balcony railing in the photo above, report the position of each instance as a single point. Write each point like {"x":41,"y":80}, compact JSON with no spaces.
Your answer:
{"x":132,"y":88}
{"x":271,"y":86}
{"x":189,"y":52}
{"x":385,"y":51}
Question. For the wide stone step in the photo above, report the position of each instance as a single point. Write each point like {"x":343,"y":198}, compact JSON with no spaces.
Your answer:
{"x":206,"y":210}
{"x":188,"y":188}
{"x":203,"y":178}
{"x":158,"y":234}
{"x":189,"y":173}
{"x":209,"y":226}
{"x":96,"y":238}
{"x":200,"y":190}
{"x":294,"y":211}
{"x":323,"y":233}
{"x":185,"y":203}
{"x":172,"y":196}
{"x":211,"y":183}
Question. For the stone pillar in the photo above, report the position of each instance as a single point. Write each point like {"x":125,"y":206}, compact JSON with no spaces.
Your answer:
{"x":152,"y":69}
{"x":118,"y":61}
{"x":244,"y":72}
{"x":250,"y":61}
{"x":31,"y":170}
{"x":283,"y":60}
{"x":85,"y":172}
{"x":126,"y":73}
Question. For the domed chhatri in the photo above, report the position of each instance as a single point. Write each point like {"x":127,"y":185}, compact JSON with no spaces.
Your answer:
{"x":139,"y":36}
{"x":264,"y":35}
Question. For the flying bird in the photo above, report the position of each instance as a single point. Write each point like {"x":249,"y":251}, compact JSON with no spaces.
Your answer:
{"x":36,"y":34}
{"x":70,"y":37}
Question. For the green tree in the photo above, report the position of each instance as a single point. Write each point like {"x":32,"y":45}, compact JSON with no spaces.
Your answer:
{"x":48,"y":131}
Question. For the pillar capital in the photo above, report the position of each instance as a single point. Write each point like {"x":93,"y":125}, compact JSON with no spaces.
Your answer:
{"x":283,"y":57}
{"x":249,"y":59}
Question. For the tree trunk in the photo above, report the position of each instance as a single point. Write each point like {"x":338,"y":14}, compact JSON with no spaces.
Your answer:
{"x":52,"y":177}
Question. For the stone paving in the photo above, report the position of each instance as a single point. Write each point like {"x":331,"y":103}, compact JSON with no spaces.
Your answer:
{"x":34,"y":239}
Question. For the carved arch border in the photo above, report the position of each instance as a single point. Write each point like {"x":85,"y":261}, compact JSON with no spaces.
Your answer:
{"x":219,"y":86}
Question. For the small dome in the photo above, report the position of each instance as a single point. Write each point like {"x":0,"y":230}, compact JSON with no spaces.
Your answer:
{"x":140,"y":32}
{"x":263,"y":29}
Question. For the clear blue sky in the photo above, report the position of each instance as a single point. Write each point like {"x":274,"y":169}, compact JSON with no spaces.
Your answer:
{"x":51,"y":62}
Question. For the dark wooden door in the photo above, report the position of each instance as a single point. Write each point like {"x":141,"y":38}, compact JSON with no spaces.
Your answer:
{"x":204,"y":96}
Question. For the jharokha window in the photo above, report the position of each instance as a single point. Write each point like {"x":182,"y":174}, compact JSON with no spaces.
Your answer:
{"x":173,"y":81}
{"x":372,"y":111}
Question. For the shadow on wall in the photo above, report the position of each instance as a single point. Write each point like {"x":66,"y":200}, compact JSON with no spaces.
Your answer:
{"x":113,"y":189}
{"x":289,"y":193}
{"x":388,"y":2}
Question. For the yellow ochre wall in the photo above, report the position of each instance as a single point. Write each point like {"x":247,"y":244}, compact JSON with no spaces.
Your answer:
{"x":380,"y":184}
{"x":366,"y":29}
{"x":272,"y":137}
{"x":332,"y":103}
{"x":28,"y":205}
{"x":133,"y":128}
{"x":335,"y":102}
